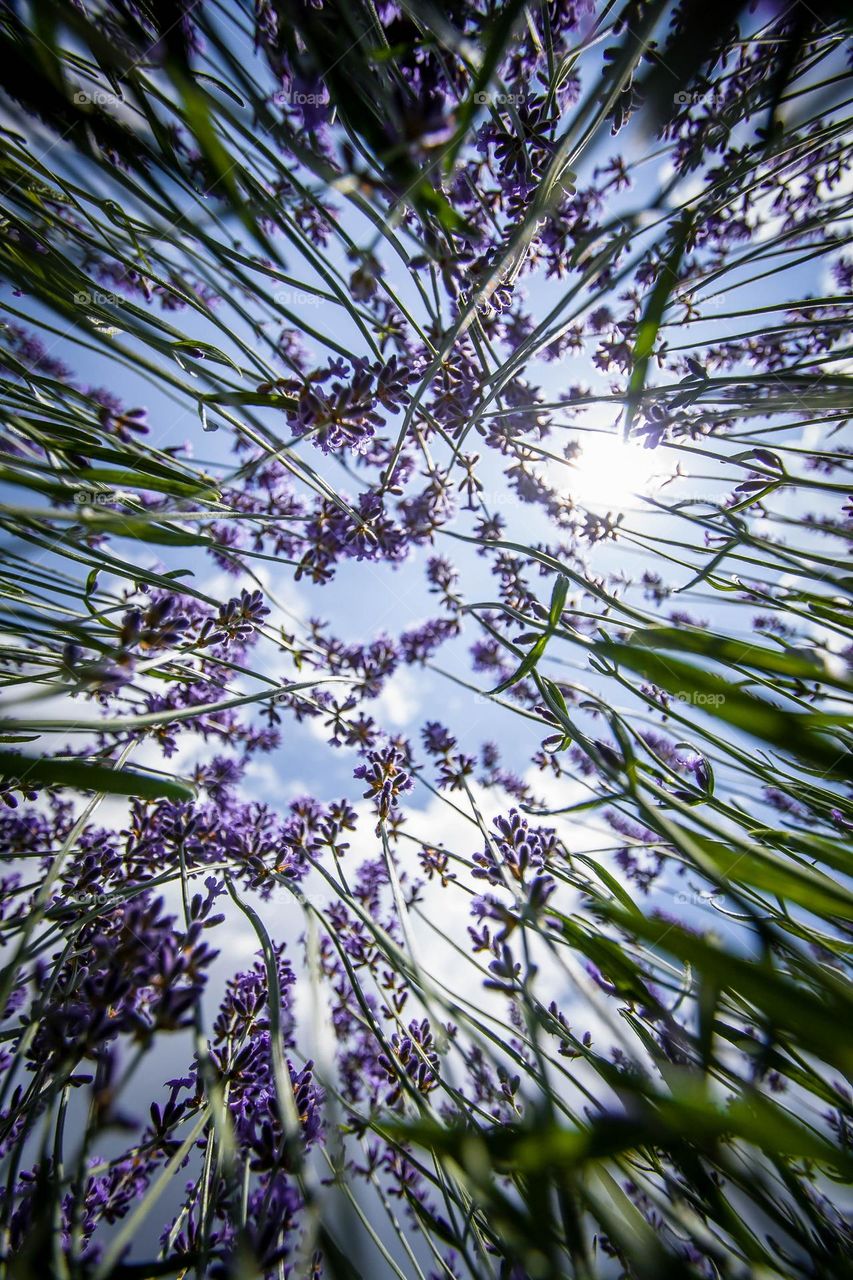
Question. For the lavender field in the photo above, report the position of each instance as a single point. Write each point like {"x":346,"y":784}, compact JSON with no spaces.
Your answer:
{"x":426,"y":641}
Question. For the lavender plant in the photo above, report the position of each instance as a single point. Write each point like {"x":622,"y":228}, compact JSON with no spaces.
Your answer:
{"x":498,"y":353}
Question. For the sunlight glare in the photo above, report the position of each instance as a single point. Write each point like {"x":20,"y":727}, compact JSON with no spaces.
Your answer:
{"x":611,"y":473}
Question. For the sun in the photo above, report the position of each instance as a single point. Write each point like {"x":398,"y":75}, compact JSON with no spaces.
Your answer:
{"x":610,"y":472}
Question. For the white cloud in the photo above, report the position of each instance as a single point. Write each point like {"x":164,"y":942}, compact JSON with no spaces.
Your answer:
{"x":398,"y":704}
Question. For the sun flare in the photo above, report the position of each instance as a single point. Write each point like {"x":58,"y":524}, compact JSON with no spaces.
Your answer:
{"x":608,"y":472}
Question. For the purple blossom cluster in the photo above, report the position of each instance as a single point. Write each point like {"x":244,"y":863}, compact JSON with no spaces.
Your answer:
{"x":341,"y":408}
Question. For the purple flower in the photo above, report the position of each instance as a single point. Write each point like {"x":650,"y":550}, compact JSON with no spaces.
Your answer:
{"x":386,"y":778}
{"x":238,"y":619}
